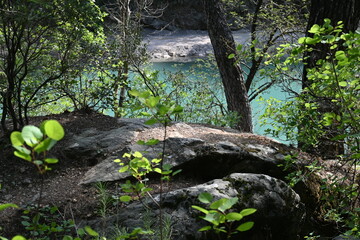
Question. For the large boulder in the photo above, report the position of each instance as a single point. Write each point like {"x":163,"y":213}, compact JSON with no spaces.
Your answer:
{"x":203,"y":153}
{"x":276,"y":203}
{"x":195,"y":149}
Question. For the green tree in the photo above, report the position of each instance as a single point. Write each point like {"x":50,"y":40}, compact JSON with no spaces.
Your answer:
{"x":126,"y":51}
{"x":39,"y":42}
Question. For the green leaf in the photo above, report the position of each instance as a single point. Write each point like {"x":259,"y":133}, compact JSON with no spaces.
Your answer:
{"x":54,"y":130}
{"x":218,"y":204}
{"x":137,"y":154}
{"x":23,"y":150}
{"x":214,"y":217}
{"x":8,"y":205}
{"x":340,"y":55}
{"x":158,"y":170}
{"x":134,"y":93}
{"x":234,"y":216}
{"x":24,"y":156}
{"x":224,"y":204}
{"x":124,"y":169}
{"x":205,"y":197}
{"x":178,"y":109}
{"x":248,"y":211}
{"x":45,"y":145}
{"x":206,"y":228}
{"x":51,"y":160}
{"x":314,"y":29}
{"x":38,"y":162}
{"x":90,"y":231}
{"x":231,"y":56}
{"x":151,"y":102}
{"x":16,"y":138}
{"x":343,"y":84}
{"x":151,"y":121}
{"x":203,"y":210}
{"x":125,"y":198}
{"x":31,"y":135}
{"x":245,"y":226}
{"x":18,"y":237}
{"x":152,"y":142}
{"x":308,"y":40}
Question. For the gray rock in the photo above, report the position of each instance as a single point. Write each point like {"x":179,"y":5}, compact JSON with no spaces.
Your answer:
{"x":277,"y":206}
{"x":214,"y":159}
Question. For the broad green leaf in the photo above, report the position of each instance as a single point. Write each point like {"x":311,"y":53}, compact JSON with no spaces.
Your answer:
{"x":227,"y":204}
{"x":343,"y":84}
{"x":44,"y":145}
{"x":245,"y":226}
{"x":239,"y":47}
{"x":51,"y":160}
{"x":205,"y":197}
{"x":18,"y":237}
{"x":307,"y":40}
{"x":23,"y":150}
{"x":158,"y":170}
{"x":203,"y":210}
{"x":152,"y":101}
{"x":206,"y":228}
{"x":24,"y":156}
{"x":16,"y":138}
{"x":217,"y":204}
{"x":90,"y":231}
{"x":233,"y":216}
{"x":247,"y":211}
{"x":8,"y":205}
{"x":32,"y":135}
{"x":134,"y":93}
{"x":213,"y":218}
{"x":137,"y":154}
{"x":54,"y":130}
{"x":231,"y":56}
{"x":151,"y":121}
{"x":152,"y":142}
{"x":176,"y":172}
{"x":314,"y":29}
{"x":125,"y":198}
{"x":124,"y":169}
{"x":38,"y":162}
{"x":178,"y":109}
{"x":141,"y":142}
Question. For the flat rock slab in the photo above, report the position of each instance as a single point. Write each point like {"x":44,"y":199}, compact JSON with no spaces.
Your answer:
{"x":200,"y":151}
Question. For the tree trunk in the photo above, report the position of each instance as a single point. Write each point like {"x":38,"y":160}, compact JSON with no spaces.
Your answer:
{"x":347,"y":11}
{"x":232,"y":75}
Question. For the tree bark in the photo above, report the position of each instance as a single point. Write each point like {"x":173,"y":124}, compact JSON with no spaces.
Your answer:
{"x":232,"y":75}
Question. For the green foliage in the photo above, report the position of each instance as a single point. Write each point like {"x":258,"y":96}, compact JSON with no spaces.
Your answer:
{"x":44,"y":42}
{"x":327,"y":110}
{"x":334,"y":88}
{"x":33,"y":143}
{"x":45,"y":223}
{"x":219,"y":216}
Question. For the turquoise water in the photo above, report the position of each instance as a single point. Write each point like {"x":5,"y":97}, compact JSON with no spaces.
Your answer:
{"x":258,"y":107}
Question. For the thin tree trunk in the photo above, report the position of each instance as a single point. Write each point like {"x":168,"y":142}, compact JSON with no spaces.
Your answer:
{"x":232,"y":75}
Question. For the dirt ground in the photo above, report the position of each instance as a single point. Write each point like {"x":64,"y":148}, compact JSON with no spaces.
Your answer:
{"x":21,"y":184}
